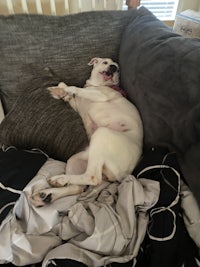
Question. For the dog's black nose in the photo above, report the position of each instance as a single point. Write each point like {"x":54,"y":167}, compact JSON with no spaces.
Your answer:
{"x":112,"y":68}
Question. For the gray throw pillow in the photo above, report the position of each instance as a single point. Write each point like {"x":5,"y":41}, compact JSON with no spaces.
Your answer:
{"x":29,"y":43}
{"x":39,"y":121}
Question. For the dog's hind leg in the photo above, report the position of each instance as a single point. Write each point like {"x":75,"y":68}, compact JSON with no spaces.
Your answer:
{"x":77,"y":164}
{"x":48,"y":195}
{"x":91,"y":176}
{"x":101,"y":158}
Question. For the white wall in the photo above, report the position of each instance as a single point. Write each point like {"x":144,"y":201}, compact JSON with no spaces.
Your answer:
{"x":188,"y":4}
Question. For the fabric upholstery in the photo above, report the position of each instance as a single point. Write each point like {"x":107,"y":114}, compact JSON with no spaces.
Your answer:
{"x":37,"y":120}
{"x":66,"y":44}
{"x":160,"y":71}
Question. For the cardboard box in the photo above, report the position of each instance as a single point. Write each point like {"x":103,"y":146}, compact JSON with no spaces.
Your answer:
{"x":187,"y":23}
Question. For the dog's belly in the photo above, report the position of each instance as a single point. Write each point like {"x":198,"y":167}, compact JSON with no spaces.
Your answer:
{"x":108,"y":122}
{"x":113,"y":116}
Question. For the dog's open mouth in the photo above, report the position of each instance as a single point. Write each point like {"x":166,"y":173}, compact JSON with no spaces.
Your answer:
{"x":107,"y":75}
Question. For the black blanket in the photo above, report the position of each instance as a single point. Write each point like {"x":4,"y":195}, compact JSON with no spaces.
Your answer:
{"x":17,"y":168}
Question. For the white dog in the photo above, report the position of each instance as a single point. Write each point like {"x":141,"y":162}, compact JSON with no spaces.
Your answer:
{"x":114,"y":129}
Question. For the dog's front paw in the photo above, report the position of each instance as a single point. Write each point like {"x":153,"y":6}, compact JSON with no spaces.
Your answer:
{"x":70,"y":90}
{"x":57,"y":92}
{"x":62,"y":85}
{"x":58,"y":180}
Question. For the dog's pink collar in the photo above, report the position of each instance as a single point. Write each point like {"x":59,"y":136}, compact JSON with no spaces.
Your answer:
{"x":118,"y":89}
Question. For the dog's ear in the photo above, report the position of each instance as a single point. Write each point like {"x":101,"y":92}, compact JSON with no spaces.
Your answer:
{"x":94,"y":61}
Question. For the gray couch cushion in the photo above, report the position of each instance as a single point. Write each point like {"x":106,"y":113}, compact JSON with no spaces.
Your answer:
{"x":28,"y":43}
{"x":39,"y":121}
{"x":161,"y":72}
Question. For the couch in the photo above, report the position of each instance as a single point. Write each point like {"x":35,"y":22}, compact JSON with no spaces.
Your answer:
{"x":160,"y":72}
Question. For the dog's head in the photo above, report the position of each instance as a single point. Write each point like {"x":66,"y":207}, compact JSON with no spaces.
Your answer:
{"x":104,"y":72}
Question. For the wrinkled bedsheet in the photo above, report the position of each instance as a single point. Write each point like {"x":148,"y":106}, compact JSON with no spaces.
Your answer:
{"x":104,"y":224}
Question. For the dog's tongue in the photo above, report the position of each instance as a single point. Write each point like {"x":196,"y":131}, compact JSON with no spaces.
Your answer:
{"x":107,"y":75}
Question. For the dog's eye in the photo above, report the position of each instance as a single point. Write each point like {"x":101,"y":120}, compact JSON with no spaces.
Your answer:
{"x":105,"y":62}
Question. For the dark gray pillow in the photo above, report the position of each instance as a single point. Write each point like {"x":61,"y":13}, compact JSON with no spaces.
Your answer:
{"x":29,"y":43}
{"x":39,"y":121}
{"x":161,"y":72}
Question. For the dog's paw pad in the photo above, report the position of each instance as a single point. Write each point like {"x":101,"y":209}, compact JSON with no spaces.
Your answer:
{"x":40,"y":199}
{"x":46,"y":198}
{"x":42,"y":195}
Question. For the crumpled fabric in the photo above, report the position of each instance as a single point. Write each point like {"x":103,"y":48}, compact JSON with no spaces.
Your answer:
{"x":105,"y":224}
{"x":191,"y":213}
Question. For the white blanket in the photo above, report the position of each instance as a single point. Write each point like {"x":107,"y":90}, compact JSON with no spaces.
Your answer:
{"x":104,"y":224}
